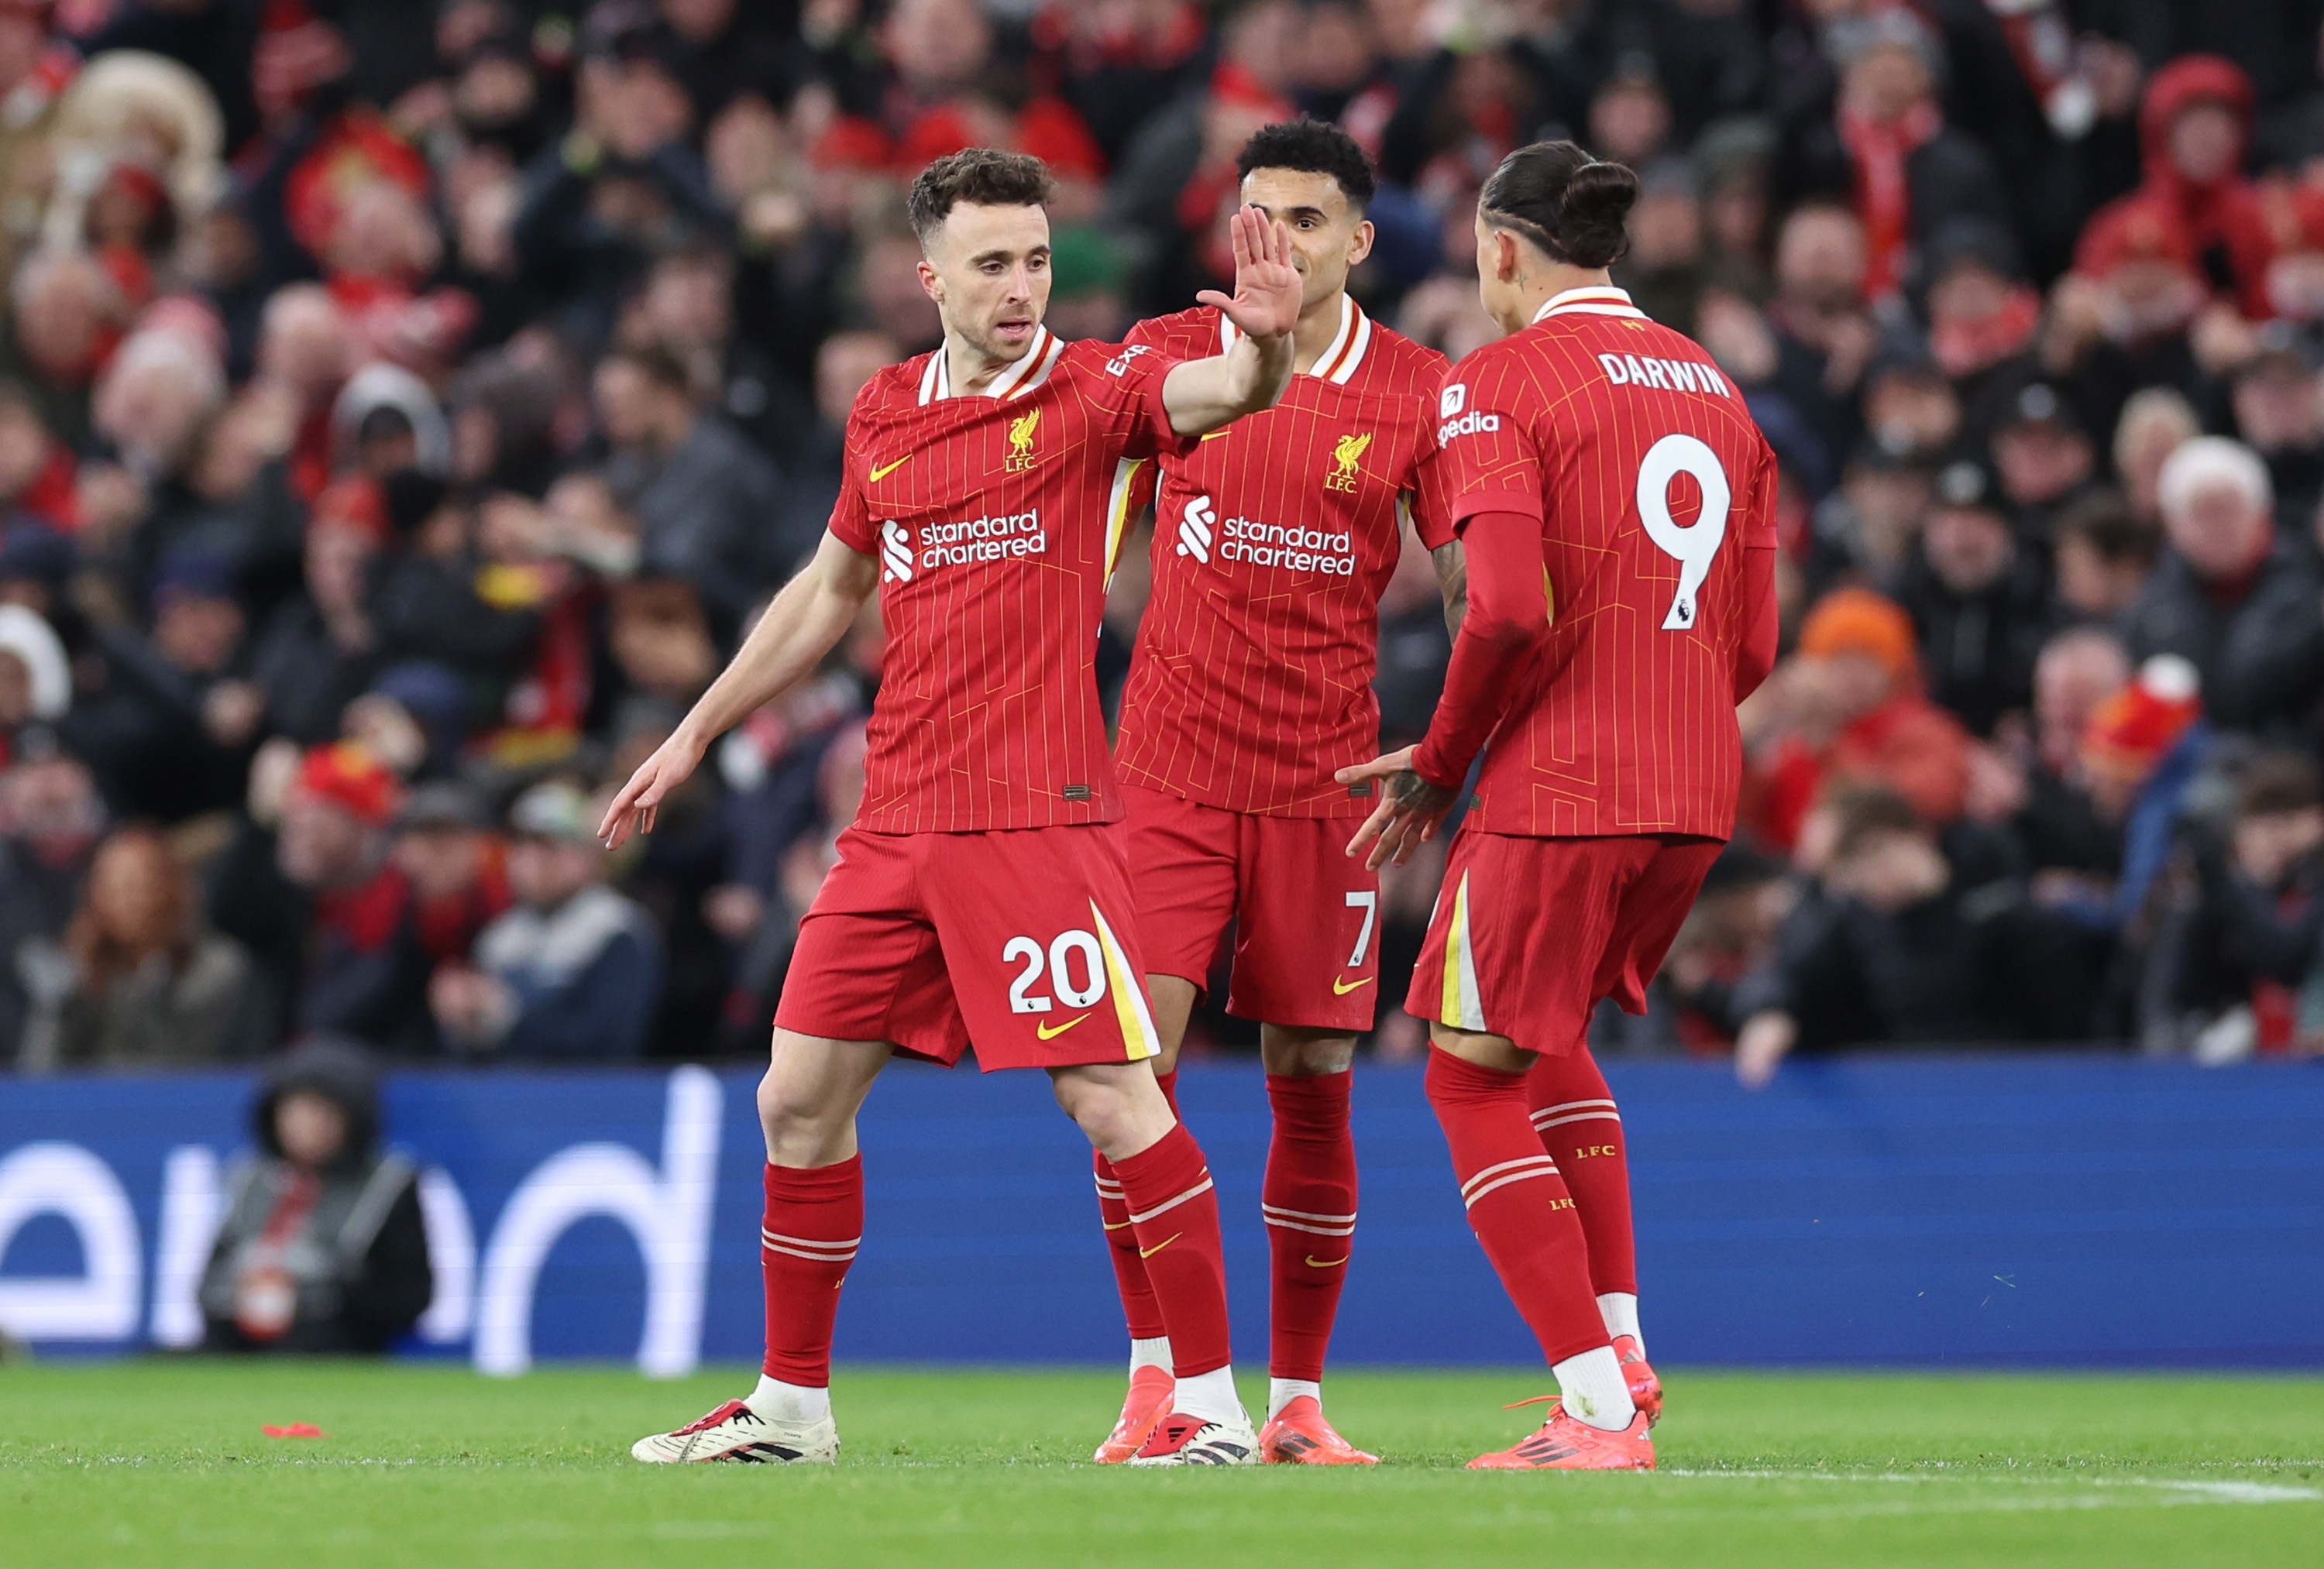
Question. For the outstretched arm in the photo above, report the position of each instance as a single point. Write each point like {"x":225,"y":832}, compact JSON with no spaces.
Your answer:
{"x":1202,"y":395}
{"x":802,"y":625}
{"x":1507,"y":618}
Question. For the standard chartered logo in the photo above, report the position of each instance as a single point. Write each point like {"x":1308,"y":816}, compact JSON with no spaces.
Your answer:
{"x":991,"y":538}
{"x":1197,"y":528}
{"x":895,"y":551}
{"x":1201,"y":535}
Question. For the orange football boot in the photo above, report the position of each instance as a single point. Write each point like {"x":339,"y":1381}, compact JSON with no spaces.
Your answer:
{"x":1566,"y":1443}
{"x":1645,"y":1389}
{"x":1298,"y":1435}
{"x":1142,"y":1409}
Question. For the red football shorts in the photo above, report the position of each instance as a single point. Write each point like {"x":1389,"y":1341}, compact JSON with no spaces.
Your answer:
{"x":1018,"y":939}
{"x":1530,"y":934}
{"x":1305,"y":914}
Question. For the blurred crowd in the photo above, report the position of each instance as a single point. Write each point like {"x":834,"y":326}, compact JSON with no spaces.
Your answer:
{"x":405,"y":404}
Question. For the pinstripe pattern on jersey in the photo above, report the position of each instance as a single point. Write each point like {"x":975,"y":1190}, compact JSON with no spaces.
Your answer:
{"x":988,"y":716}
{"x":1619,"y":727}
{"x":1252,"y":683}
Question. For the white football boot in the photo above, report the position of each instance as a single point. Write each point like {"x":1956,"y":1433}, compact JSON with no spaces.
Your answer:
{"x":735,"y":1432}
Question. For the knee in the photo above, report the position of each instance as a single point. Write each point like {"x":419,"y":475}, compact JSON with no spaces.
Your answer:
{"x":1305,"y":1053}
{"x":789,"y":1111}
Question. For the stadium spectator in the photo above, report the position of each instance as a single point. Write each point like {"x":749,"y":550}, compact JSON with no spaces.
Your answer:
{"x":322,"y":1249}
{"x":50,"y":818}
{"x":572,"y":972}
{"x":152,"y":988}
{"x":1889,"y":949}
{"x":2229,"y":595}
{"x":1979,"y":599}
{"x":308,"y":888}
{"x":1847,"y":706}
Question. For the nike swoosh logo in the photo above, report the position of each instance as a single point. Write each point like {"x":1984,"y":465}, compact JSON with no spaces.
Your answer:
{"x":1341,"y":989}
{"x":1213,"y":435}
{"x":1315,"y":1263}
{"x":1115,"y":1225}
{"x":1045,"y":1033}
{"x":1157,"y":1247}
{"x":882,"y":473}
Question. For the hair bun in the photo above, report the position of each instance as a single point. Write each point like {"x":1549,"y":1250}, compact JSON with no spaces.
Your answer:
{"x":1591,"y":219}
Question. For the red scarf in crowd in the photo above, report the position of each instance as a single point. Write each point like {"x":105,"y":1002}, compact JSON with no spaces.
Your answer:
{"x":1884,"y":196}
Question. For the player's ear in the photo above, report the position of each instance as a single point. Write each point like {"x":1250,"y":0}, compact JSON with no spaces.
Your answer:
{"x":931,"y":284}
{"x":1361,"y":245}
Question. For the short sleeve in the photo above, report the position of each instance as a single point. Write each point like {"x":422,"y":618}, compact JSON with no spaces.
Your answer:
{"x":1430,"y":496}
{"x":1488,"y":459}
{"x":1127,"y":385}
{"x":851,"y":515}
{"x":1760,"y":532}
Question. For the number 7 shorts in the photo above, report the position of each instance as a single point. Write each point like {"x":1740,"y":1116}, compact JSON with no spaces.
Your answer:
{"x":1305,"y":915}
{"x":1018,"y":939}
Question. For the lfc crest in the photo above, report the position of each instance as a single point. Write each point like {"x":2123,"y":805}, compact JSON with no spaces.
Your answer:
{"x":1020,"y":441}
{"x":1346,"y":457}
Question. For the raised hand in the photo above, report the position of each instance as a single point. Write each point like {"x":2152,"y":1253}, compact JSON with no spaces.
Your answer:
{"x":1409,"y":811}
{"x":1268,"y":291}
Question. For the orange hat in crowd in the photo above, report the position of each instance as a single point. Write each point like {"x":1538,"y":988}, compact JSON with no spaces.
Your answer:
{"x":2135,"y":728}
{"x":346,"y":775}
{"x":1856,"y":620}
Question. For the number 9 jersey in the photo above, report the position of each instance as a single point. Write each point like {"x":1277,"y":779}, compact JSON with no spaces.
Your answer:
{"x":1651,"y":480}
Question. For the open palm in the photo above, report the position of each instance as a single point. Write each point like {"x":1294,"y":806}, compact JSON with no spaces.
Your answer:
{"x":1267,"y":295}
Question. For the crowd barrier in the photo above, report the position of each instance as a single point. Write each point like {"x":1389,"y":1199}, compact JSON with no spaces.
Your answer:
{"x":1972,"y":1211}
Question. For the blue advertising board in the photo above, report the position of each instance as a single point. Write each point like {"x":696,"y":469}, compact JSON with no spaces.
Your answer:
{"x":1967,"y":1212}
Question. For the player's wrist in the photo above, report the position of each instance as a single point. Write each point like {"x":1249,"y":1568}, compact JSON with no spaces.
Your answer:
{"x":1436,"y":770}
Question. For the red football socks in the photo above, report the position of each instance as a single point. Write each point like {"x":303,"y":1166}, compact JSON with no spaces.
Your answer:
{"x":1175,"y":1216}
{"x":1518,"y":1204}
{"x":813,"y":1222}
{"x":1139,"y":1308}
{"x":1309,"y":1201}
{"x":1582,"y":1132}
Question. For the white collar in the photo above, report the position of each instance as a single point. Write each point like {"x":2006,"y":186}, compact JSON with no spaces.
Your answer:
{"x":1023,"y":374}
{"x":1591,"y":301}
{"x":1338,"y":362}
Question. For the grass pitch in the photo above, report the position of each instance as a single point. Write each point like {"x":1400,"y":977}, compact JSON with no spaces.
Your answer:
{"x":163,"y":1464}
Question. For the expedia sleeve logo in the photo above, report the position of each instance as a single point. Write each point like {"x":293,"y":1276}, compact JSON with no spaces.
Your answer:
{"x":1458,"y":418}
{"x":895,"y":551}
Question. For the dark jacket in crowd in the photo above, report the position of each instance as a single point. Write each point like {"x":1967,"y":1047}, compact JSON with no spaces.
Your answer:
{"x":2259,"y":646}
{"x":332,"y":1262}
{"x":1978,"y":650}
{"x":1978,"y":964}
{"x":704,"y":512}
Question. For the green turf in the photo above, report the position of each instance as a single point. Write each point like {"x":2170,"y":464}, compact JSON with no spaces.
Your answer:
{"x":163,"y":1463}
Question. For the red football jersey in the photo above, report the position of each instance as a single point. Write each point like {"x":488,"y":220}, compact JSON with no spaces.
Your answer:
{"x":995,"y":518}
{"x":1651,"y":480}
{"x":1273,"y":541}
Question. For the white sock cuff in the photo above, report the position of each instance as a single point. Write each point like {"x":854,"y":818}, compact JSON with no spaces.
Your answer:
{"x":1153,"y":1352}
{"x":1620,"y":1309}
{"x":1281,"y":1392}
{"x":778,"y":1401}
{"x":1594,"y":1390}
{"x":1210,"y":1396}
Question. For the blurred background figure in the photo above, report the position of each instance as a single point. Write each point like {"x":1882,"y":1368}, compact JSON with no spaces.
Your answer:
{"x":571,"y":972}
{"x":322,"y":1249}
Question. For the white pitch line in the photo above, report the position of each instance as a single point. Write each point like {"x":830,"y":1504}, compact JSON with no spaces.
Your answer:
{"x":2240,"y":1492}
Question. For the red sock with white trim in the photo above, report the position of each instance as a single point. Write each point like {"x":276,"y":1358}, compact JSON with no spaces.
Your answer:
{"x":1581,"y":1129}
{"x":1175,"y":1216}
{"x":1309,"y":1203}
{"x":1518,"y":1204}
{"x":813,"y":1225}
{"x":1139,"y":1309}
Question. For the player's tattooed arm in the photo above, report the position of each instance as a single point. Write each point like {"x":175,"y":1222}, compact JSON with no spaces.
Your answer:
{"x":1407,"y":816}
{"x":1202,"y":395}
{"x":1453,"y":576}
{"x":804,"y":623}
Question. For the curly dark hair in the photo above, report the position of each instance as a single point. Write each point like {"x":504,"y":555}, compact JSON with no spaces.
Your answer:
{"x":981,"y":177}
{"x":1311,"y":147}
